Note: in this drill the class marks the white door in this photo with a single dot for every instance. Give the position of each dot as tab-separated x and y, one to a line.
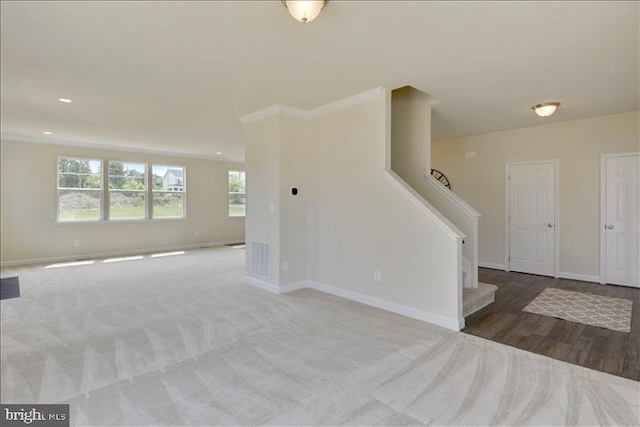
531	217
622	220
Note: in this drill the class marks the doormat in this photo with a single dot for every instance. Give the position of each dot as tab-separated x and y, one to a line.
580	307
9	287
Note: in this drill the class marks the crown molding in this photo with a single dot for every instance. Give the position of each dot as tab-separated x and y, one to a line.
68	143
331	107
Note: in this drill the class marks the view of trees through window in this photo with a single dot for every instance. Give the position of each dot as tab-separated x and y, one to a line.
127	190
237	202
79	189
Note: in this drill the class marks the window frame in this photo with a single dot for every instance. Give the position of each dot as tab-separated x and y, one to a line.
183	192
101	215
229	193
109	190
105	192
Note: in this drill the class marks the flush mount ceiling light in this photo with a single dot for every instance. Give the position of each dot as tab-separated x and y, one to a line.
304	10
65	100
546	109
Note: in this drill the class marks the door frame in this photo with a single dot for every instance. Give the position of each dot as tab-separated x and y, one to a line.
556	213
603	211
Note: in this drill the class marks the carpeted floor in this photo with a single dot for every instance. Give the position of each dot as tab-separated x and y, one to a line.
181	340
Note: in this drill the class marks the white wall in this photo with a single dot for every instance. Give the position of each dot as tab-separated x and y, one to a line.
262	163
351	216
410	134
410	149
577	145
359	222
29	230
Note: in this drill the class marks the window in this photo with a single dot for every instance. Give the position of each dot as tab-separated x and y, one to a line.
236	193
168	191
79	189
127	190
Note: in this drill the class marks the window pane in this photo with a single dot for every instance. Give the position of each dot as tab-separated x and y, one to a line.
237	193
127	190
168	191
79	189
79	205
168	204
127	176
126	204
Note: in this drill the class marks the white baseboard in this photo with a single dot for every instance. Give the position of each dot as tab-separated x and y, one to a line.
275	289
270	287
100	255
582	277
491	265
403	310
293	287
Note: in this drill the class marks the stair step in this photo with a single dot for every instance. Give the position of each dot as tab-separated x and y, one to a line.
478	298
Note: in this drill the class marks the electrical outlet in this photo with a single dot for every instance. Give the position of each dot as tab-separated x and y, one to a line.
376	276
76	243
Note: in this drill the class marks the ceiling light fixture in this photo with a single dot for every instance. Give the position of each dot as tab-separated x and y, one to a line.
304	10
218	152
66	100
546	109
46	132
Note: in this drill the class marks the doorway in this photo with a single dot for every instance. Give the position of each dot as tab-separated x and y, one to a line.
620	219
532	217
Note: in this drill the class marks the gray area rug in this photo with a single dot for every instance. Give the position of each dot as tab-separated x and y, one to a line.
582	307
181	340
9	287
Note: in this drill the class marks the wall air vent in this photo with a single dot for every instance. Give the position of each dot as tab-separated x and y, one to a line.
260	259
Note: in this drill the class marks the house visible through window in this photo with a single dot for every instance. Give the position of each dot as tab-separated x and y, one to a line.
79	189
237	193
168	191
127	190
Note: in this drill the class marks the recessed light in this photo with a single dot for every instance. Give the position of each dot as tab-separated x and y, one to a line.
218	152
46	132
67	100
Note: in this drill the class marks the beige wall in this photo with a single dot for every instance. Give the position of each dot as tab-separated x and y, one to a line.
360	222
28	207
410	134
262	162
348	219
577	145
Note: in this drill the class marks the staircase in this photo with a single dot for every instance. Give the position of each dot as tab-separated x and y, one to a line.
475	299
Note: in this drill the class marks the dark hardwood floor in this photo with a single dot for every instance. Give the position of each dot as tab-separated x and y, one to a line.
617	353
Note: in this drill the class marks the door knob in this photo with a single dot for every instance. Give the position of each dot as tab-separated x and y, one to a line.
610	226
549	225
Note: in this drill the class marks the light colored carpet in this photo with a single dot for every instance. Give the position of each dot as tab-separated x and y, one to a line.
583	307
182	340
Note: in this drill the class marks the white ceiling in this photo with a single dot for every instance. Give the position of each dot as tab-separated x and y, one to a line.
176	76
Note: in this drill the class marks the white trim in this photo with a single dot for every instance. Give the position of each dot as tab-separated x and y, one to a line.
283	289
101	255
269	287
603	212
446	225
331	107
581	277
127	149
350	101
452	197
403	310
556	242
493	266
273	110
